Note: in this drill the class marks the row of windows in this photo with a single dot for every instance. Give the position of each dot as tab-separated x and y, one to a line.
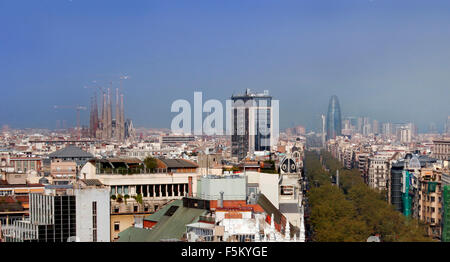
160	190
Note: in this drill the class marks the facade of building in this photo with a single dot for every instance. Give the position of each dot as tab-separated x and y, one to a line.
26	164
64	215
379	173
177	139
93	214
430	201
251	124
136	191
63	172
396	184
441	149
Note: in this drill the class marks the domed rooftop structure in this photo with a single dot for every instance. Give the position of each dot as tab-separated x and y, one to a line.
43	181
414	163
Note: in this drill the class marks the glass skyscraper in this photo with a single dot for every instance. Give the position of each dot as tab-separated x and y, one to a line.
334	124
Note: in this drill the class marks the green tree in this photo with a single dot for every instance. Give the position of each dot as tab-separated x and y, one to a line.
353	211
150	163
138	198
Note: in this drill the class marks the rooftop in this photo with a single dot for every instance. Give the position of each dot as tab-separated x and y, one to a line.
70	152
92	182
170	225
6	185
178	163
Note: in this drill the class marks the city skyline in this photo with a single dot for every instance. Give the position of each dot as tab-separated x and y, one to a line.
225	121
384	60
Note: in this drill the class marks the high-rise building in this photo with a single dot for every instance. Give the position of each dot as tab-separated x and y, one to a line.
323	130
367	126
359	127
334	124
375	127
447	126
405	132
386	129
251	123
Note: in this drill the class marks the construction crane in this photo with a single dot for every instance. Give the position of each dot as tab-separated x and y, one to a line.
123	77
78	109
95	86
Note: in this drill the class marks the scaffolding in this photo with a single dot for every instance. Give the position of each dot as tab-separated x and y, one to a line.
406	197
446	215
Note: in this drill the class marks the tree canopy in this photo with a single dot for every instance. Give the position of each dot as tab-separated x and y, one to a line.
352	212
150	163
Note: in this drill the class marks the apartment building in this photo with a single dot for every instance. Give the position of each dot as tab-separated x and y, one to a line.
136	191
430	200
75	213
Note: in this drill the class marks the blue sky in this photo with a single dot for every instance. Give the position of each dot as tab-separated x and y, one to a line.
386	59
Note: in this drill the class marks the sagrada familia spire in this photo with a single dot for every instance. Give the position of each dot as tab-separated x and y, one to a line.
106	127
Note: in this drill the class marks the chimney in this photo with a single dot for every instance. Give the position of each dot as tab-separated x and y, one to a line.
221	199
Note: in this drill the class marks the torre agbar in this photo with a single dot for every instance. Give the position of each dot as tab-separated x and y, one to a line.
333	118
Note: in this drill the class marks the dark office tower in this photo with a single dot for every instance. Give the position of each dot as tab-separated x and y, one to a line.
334	118
52	218
251	123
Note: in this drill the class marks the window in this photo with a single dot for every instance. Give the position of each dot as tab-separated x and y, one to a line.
116	226
94	221
135	209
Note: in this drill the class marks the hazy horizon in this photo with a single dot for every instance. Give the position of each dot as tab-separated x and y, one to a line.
387	60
